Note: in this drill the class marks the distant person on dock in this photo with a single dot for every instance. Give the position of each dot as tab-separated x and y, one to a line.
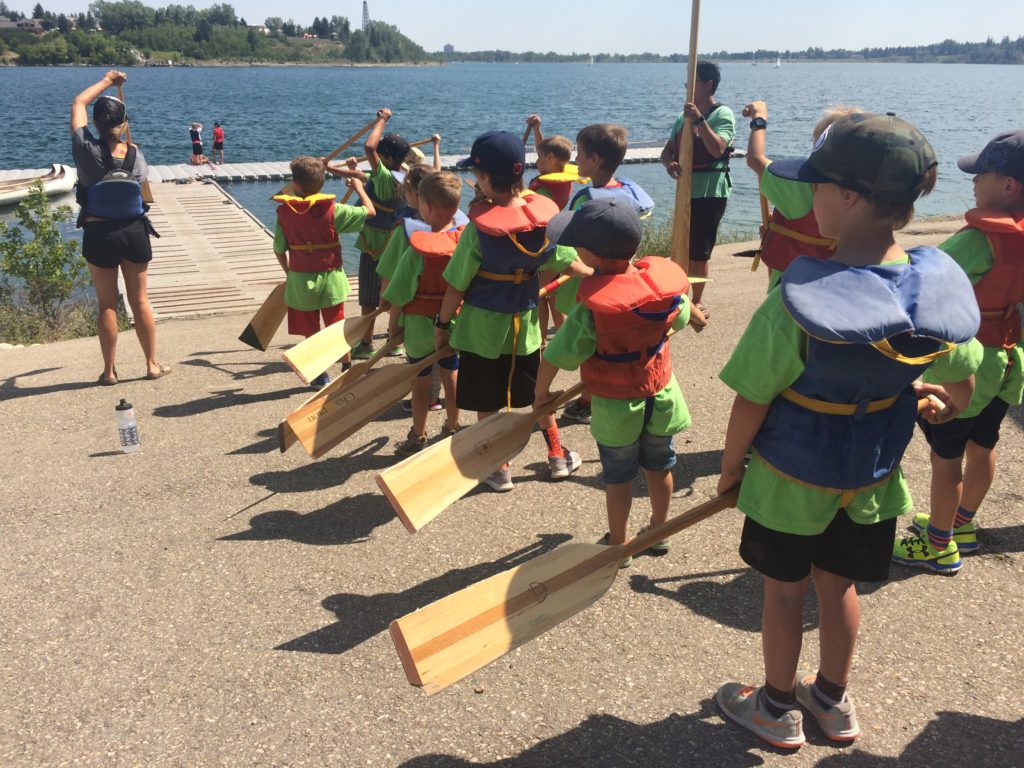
990	249
195	132
308	246
385	155
792	229
218	143
714	127
113	219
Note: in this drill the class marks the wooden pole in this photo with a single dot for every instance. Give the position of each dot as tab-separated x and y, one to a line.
684	184
147	193
764	229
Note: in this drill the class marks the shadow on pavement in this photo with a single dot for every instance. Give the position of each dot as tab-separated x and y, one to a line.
349	521
360	617
9	389
326	473
268	444
250	372
225	398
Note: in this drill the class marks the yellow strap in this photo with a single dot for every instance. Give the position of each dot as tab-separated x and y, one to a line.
846	495
515	278
835	409
512	367
886	349
532	254
799	236
1002	314
311	246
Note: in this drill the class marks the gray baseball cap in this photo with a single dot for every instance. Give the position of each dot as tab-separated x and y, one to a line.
609	228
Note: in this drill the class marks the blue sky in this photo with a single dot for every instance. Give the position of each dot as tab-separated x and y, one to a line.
659	26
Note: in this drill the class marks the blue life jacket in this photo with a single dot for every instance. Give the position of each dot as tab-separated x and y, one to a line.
386	216
115	196
628	191
845	423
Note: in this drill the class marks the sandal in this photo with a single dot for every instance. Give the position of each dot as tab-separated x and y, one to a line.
164	370
104	381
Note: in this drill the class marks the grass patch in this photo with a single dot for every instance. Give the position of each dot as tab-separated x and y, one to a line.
657	239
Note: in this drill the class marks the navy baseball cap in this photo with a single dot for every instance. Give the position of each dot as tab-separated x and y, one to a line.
609	228
498	152
877	155
1004	154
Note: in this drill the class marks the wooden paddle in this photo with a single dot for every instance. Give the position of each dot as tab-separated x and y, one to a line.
147	193
425	484
455	636
288	188
286	436
338	169
764	228
684	154
315	354
264	324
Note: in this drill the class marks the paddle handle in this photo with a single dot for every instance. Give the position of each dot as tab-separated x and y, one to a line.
364	158
355	137
127	128
676	524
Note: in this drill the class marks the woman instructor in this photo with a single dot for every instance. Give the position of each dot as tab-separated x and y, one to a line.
116	230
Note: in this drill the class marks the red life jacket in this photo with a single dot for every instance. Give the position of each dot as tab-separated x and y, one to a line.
559	191
308	226
632	315
786	239
436	248
1002	287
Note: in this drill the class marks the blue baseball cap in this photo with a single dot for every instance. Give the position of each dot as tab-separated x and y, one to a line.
498	152
1004	154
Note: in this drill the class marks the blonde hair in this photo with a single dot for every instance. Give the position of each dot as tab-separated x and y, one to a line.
558	147
416	174
830	115
441	188
307	175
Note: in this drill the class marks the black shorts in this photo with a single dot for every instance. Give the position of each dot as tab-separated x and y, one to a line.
949	440
705	215
106	243
197	149
484	383
218	145
847	549
369	281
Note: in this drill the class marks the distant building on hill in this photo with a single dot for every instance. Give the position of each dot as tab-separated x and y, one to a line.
448	49
366	16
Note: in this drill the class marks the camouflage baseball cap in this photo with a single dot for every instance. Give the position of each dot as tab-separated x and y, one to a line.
877	155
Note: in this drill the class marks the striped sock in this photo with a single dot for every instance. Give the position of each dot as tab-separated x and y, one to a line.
963	517
778	702
553	441
938	538
827	693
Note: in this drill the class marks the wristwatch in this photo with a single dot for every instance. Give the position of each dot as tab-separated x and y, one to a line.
699	120
439	324
758	124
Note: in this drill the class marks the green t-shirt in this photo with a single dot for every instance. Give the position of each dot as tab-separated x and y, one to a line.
372	240
1000	373
617	423
485	332
419	329
792	199
767	360
388	261
712	183
317	290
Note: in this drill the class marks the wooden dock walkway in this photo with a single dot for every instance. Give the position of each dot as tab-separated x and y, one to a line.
212	256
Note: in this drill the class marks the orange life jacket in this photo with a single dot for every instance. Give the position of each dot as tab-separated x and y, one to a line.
1002	287
785	239
436	248
308	226
632	315
559	191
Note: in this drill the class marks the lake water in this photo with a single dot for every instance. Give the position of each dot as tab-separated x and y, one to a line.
275	113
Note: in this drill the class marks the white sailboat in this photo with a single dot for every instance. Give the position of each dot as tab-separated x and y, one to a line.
778	62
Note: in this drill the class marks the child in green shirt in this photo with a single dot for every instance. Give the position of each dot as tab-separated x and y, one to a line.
616	335
823	376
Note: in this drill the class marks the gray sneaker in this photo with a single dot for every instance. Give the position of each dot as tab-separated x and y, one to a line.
413	443
577	411
744	706
839	722
499	480
626	562
659	547
362	351
563	466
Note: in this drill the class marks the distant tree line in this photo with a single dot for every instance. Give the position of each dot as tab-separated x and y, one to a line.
124	32
1006	51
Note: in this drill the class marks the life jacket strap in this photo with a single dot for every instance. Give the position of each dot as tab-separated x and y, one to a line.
837	409
312	246
660	315
1000	313
527	251
887	349
629	357
517	277
800	236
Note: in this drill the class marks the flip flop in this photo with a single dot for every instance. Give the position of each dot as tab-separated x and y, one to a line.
103	381
164	370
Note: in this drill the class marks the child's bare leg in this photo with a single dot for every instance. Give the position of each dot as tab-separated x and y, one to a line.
618	498
420	403
946	489
481	415
449	381
542	316
979	472
659	485
557	318
782	630
838	621
698	269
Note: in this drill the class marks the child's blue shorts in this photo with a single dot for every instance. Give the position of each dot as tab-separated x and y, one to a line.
652	452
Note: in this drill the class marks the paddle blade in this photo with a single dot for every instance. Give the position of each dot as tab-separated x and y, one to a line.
445	641
425	484
315	354
264	324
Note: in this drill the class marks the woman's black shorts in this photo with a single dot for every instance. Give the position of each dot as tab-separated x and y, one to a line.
197	149
106	243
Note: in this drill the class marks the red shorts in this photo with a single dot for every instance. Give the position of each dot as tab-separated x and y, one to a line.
303	322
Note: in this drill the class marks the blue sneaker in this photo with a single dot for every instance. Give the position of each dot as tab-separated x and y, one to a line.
320	381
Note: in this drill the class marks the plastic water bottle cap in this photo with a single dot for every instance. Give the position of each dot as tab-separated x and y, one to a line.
124	405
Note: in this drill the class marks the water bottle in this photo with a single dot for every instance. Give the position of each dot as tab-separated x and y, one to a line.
127	429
